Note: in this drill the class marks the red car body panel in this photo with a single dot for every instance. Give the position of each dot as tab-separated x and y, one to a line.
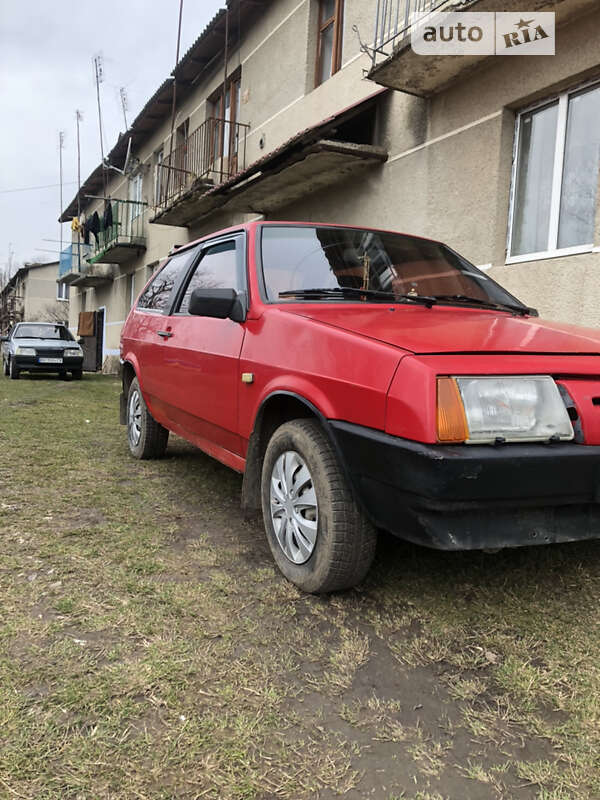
369	364
445	329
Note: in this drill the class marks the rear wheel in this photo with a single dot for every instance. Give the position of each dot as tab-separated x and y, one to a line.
13	370
5	367
319	537
147	438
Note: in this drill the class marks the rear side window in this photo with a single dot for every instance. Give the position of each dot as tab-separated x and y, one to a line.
217	269
157	294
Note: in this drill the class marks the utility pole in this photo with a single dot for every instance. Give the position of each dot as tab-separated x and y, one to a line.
78	119
61	144
174	102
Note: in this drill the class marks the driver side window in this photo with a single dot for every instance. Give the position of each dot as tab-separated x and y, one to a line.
217	269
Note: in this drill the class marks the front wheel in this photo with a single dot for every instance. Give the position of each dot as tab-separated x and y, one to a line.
77	374
319	537
13	370
147	438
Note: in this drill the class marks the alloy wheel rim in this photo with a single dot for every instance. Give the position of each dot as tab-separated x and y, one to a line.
294	507
134	418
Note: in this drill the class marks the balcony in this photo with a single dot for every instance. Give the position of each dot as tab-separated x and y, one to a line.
210	155
395	65
123	239
77	271
312	160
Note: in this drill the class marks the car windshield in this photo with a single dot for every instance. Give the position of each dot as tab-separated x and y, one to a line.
339	263
43	332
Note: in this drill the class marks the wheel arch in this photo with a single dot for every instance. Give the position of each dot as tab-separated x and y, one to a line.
276	409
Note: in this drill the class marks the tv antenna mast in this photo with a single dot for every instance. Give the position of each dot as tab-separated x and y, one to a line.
99	75
124	104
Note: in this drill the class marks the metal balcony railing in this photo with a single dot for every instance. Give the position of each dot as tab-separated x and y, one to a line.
126	228
213	152
393	21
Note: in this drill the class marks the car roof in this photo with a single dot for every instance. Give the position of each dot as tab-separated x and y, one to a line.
246	226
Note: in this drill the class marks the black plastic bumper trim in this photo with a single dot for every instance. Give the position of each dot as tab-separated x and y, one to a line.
443	495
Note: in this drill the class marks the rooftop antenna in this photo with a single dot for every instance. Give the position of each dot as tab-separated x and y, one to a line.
99	73
123	94
126	164
61	145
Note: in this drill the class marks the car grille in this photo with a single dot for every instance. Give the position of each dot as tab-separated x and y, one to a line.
49	353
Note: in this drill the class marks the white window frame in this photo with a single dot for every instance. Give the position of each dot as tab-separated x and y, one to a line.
65	289
136	188
557	178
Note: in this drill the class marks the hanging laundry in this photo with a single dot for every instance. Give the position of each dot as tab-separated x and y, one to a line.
75	226
94	226
85	230
107	219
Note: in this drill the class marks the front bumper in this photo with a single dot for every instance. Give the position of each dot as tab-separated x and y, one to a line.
463	497
32	364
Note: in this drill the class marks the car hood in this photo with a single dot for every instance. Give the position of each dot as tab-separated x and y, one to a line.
445	329
44	344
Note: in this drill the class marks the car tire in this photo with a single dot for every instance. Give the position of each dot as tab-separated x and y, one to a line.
13	371
5	368
320	538
147	438
77	374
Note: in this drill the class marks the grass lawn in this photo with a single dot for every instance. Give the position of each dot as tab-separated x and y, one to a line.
149	649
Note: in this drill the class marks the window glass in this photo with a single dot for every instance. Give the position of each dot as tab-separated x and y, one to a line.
58	332
303	257
533	197
580	172
158	293
326	52
217	269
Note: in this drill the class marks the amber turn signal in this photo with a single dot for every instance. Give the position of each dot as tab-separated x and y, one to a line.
451	420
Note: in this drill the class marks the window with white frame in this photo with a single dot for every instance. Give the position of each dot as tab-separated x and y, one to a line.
135	195
555	179
62	291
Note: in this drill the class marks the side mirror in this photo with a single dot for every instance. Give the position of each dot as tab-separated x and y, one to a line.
80	341
219	303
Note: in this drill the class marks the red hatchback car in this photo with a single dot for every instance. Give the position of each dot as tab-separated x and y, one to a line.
362	379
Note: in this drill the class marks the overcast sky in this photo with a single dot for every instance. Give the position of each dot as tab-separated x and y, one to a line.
46	73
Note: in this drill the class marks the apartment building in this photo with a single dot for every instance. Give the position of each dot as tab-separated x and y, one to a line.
34	294
281	113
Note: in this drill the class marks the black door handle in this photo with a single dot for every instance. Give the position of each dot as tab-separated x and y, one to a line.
165	334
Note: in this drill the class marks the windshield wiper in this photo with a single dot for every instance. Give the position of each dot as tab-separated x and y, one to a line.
353	291
463	298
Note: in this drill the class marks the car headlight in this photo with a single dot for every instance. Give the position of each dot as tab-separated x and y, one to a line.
476	410
73	351
25	351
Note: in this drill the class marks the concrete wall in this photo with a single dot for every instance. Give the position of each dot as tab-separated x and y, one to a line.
450	157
